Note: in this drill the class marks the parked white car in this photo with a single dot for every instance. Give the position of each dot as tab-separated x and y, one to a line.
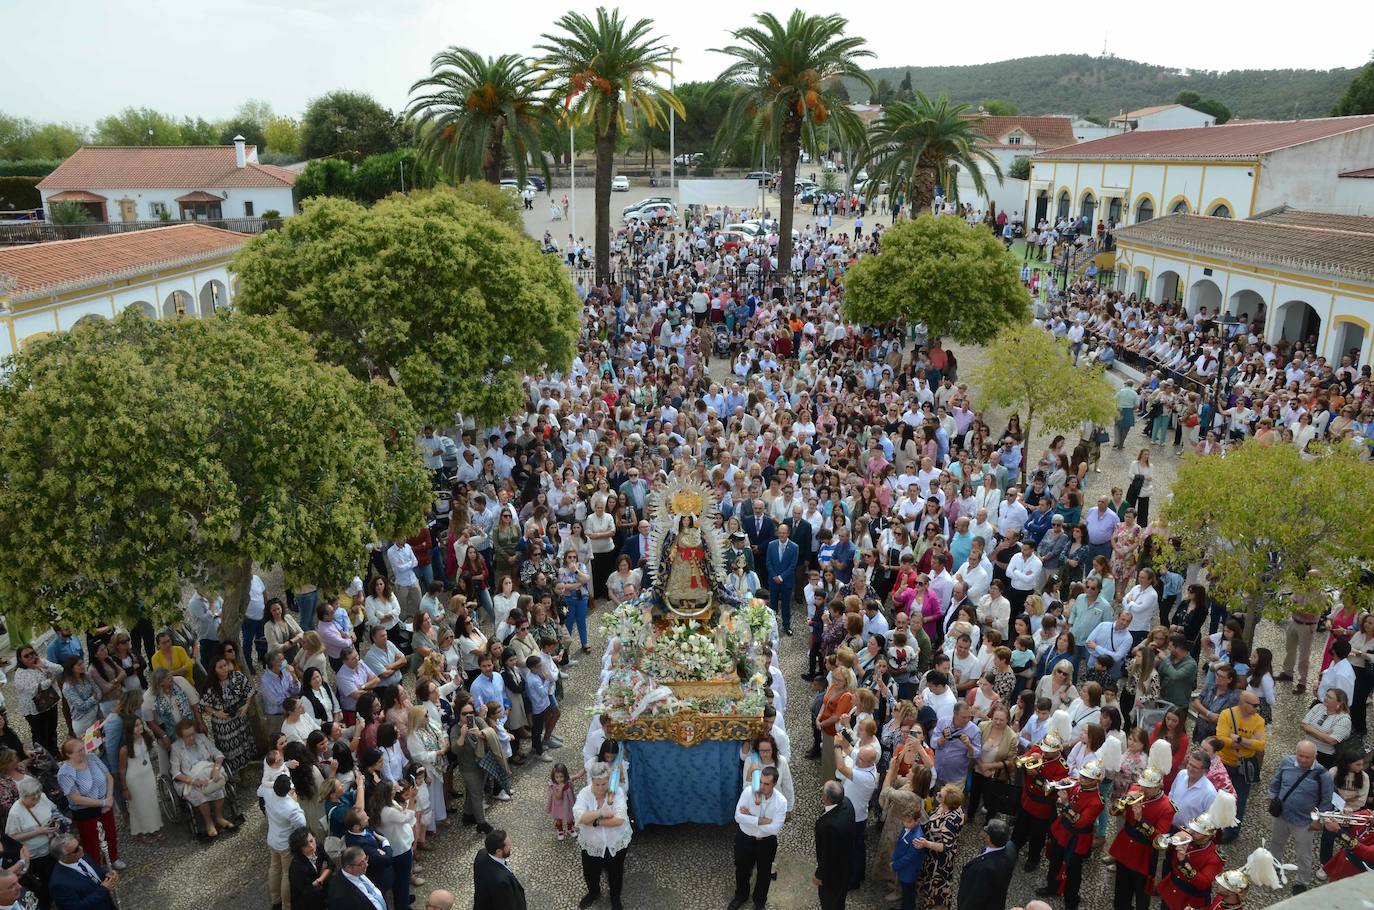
647	200
652	212
620	184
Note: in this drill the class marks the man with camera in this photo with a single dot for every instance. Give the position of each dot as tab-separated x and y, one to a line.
957	743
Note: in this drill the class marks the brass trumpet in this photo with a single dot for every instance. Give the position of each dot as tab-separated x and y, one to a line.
1133	798
1030	762
1343	819
1177	839
1067	783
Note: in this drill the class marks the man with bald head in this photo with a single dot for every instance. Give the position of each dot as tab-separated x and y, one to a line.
439	899
859	779
1303	787
760	530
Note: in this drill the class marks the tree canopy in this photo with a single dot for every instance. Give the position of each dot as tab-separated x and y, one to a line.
1358	97
430	290
138	126
959	281
143	455
21	138
1264	518
1032	372
350	125
998	108
1190	98
282	135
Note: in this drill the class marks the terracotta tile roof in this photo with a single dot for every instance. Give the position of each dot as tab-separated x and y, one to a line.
1045	132
198	196
1326	221
1246	140
43	269
77	196
1300	242
1363	172
175	167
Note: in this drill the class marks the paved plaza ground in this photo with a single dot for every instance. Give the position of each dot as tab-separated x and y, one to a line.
686	867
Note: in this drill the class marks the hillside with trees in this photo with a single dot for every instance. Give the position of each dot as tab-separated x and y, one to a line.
1100	87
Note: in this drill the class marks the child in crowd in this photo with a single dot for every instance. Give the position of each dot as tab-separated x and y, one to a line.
561	798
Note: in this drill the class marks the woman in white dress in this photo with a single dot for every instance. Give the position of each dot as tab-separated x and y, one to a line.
138	780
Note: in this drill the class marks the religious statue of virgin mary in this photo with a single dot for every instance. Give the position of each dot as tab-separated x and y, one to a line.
686	556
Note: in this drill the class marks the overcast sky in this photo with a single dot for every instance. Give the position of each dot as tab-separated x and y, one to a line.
76	60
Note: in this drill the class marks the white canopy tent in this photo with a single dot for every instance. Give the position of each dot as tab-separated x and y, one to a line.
718	192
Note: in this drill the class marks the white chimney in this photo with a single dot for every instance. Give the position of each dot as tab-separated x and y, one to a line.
240	152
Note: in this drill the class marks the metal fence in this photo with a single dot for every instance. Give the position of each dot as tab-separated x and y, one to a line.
41	231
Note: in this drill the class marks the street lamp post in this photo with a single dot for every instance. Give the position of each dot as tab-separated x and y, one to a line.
672	124
572	180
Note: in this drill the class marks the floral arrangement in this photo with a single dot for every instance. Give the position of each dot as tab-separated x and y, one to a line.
629	693
758	619
687	651
626	621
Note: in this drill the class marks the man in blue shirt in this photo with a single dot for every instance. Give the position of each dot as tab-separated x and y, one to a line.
957	744
384	658
488	686
64	645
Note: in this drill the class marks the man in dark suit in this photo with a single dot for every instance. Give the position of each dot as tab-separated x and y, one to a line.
351	889
984	882
761	531
834	844
802	534
781	565
494	886
636	546
77	883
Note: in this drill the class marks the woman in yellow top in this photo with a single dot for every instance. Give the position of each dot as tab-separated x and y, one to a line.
171	657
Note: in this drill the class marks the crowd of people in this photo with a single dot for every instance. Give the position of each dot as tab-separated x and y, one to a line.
989	629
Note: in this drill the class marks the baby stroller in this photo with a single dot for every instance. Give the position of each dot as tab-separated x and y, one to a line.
723	343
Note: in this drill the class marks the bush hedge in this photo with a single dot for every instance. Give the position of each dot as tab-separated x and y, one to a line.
18	193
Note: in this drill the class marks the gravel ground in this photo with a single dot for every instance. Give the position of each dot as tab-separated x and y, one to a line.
685	867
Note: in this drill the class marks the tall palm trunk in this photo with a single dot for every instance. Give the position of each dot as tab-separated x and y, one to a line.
491	160
605	163
923	195
790	150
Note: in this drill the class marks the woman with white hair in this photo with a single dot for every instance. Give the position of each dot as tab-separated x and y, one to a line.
35	823
603	832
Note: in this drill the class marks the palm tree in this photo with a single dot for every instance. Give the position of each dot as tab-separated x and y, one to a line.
599	67
783	86
473	110
915	143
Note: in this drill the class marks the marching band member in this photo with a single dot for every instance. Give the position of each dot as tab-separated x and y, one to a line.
1072	835
1037	797
1194	864
1260	869
1355	853
1148	813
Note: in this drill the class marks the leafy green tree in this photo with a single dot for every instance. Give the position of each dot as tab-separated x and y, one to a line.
477	114
324	177
138	126
349	125
191	481
255	110
1274	528
1190	98
1359	94
998	108
68	213
1020	168
1032	372
378	176
496	201
282	135
598	67
904	90
22	139
912	147
251	132
429	290
883	93
199	131
778	84
961	283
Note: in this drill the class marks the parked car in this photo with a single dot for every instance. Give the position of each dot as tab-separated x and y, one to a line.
761	177
536	182
620	184
689	157
732	240
750	229
647	200
511	185
652	212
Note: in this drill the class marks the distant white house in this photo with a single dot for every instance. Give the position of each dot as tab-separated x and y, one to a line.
1162	117
126	184
1084	130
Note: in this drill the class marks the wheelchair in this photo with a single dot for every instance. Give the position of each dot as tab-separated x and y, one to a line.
194	823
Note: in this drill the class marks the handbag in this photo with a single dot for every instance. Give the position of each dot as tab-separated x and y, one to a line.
1133	491
45	699
1101	437
1276	804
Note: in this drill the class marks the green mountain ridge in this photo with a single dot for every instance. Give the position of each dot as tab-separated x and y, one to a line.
1104	86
